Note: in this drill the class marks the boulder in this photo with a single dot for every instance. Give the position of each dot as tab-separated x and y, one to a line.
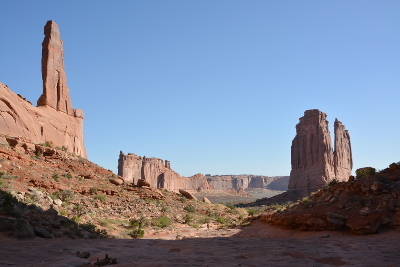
362	225
116	181
187	194
206	200
143	183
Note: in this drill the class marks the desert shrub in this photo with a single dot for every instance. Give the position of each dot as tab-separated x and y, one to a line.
163	221
58	148
6	176
93	190
231	206
38	154
165	209
138	223
88	227
190	208
56	177
68	175
66	195
102	233
46	144
189	218
54	195
333	182
2	182
221	220
137	233
102	198
64	148
79	209
252	212
183	199
204	219
363	172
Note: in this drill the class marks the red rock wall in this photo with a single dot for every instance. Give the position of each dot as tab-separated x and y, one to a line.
40	124
158	174
343	161
54	119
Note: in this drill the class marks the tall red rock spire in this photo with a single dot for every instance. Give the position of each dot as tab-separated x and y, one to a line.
55	89
314	163
342	156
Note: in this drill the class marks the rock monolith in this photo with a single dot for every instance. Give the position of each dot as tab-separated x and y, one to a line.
314	163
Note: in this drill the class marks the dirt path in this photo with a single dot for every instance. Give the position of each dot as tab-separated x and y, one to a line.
256	245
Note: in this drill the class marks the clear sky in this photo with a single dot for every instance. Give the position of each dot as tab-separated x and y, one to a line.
216	86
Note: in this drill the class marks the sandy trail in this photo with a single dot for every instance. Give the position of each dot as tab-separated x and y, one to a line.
256	245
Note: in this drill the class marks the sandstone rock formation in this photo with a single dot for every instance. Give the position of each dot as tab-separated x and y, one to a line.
55	89
240	182
314	163
158	174
343	161
54	119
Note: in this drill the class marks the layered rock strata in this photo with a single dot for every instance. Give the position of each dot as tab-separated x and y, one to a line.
54	120
240	182
158	174
314	163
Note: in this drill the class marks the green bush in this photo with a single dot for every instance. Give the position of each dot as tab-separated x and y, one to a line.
221	220
252	212
68	175
163	221
56	177
188	218
93	190
102	198
190	208
138	223
165	209
363	172
66	195
64	148
137	233
333	182
47	144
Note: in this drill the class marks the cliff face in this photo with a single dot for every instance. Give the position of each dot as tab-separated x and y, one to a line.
238	182
54	119
157	173
314	163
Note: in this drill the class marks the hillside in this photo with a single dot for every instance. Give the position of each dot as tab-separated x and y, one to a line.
52	193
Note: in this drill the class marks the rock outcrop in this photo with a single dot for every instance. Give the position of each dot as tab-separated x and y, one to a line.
53	120
55	89
314	163
158	174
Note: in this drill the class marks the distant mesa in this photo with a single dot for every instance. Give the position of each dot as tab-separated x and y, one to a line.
158	174
54	119
314	163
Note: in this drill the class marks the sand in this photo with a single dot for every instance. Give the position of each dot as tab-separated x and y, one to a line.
257	245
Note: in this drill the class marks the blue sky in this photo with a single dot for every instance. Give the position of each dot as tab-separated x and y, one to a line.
216	86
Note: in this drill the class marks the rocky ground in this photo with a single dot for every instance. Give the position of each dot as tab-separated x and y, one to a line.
54	203
364	204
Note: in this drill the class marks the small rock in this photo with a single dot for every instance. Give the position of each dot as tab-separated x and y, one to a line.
206	200
42	232
325	235
57	202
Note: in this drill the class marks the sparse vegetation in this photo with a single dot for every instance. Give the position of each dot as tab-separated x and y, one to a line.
162	221
333	182
102	198
364	172
190	208
56	177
